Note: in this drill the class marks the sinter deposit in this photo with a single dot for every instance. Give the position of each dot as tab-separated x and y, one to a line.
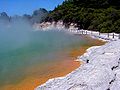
100	71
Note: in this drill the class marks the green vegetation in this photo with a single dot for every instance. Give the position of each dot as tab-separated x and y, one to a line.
98	15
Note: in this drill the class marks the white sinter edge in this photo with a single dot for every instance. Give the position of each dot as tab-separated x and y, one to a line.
100	71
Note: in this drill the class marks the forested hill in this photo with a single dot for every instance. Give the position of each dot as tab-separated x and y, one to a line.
100	15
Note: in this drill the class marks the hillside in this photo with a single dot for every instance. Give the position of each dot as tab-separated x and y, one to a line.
98	15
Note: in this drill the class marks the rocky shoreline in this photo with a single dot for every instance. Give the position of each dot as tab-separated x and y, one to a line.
54	25
46	26
100	71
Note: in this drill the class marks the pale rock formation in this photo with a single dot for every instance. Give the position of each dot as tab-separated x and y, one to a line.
100	71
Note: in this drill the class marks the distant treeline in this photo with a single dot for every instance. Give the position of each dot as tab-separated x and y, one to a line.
38	16
98	15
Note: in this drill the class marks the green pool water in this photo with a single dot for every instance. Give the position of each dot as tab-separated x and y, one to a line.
21	49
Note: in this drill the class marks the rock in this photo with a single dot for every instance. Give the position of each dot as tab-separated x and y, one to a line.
101	71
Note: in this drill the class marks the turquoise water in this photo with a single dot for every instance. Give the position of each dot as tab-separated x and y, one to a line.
21	49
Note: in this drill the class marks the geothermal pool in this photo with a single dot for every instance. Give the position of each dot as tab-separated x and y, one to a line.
29	58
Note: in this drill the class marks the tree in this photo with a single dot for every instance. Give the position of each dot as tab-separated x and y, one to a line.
98	15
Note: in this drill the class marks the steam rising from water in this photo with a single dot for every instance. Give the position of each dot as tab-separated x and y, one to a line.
14	35
21	47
